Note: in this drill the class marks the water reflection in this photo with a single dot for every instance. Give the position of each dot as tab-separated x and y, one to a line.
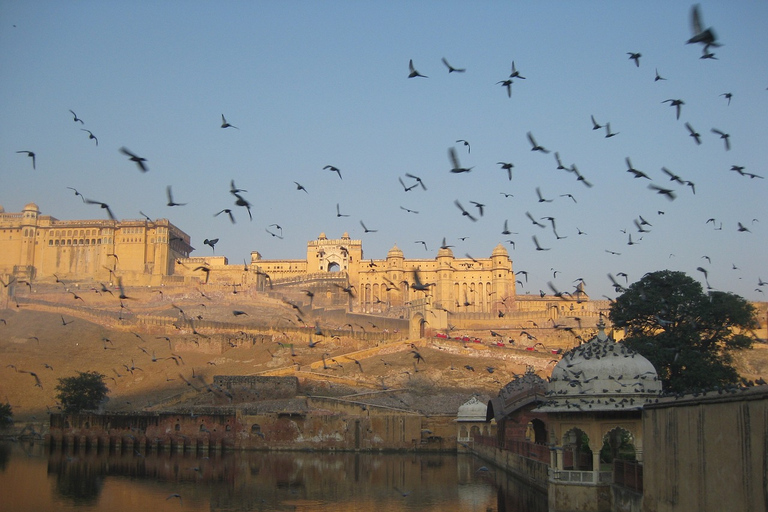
245	481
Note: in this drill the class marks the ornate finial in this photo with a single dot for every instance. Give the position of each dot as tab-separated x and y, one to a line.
601	330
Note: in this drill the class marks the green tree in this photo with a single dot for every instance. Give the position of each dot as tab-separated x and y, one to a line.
82	392
688	335
6	415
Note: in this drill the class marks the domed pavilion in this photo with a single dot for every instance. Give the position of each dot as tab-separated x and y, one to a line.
594	408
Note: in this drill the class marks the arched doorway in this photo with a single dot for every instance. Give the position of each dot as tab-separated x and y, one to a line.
417	326
618	444
334	267
536	432
577	454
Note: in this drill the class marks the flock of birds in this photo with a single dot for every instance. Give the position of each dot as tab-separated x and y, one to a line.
702	35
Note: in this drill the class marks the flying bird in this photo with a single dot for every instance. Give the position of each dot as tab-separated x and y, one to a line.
724	136
135	158
608	132
479	206
413	73
508	85
457	168
595	124
675	103
515	73
635	57
669	194
30	154
406	188
91	136
366	230
635	172
338	212
225	124
560	166
507	166
658	76
241	201
77	193
469	149
333	169
701	35
672	176
541	198
535	222
171	202
418	180
75	118
299	186
233	189
728	96
419	285
693	133
451	69
464	212
539	247
211	243
104	206
228	212
534	145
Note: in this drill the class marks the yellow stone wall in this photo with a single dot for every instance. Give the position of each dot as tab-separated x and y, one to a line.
43	247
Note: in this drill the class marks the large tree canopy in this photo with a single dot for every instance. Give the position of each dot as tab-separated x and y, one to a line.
688	335
85	391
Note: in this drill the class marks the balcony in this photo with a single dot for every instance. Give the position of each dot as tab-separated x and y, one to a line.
580	477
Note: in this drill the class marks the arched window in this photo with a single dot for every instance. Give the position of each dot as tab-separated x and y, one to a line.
618	444
334	267
577	454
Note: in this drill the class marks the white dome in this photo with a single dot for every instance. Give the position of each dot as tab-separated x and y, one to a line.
601	375
472	410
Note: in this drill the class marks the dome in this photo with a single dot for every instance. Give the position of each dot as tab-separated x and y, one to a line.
500	250
472	410
31	206
395	252
601	375
444	252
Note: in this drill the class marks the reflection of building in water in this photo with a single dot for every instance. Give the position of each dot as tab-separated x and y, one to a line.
35	246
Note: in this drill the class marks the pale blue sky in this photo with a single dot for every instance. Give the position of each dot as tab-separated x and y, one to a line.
311	84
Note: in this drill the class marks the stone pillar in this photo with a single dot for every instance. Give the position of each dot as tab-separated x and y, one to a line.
596	465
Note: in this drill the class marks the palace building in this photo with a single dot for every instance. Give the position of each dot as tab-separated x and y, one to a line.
454	285
35	246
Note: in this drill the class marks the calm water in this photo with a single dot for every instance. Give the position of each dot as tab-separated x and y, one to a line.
33	480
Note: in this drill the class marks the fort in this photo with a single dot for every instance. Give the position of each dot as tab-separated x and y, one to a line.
475	293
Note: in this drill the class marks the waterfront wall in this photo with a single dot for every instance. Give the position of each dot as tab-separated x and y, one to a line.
531	471
708	452
291	424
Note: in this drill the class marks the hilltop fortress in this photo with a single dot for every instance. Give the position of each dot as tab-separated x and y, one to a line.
437	293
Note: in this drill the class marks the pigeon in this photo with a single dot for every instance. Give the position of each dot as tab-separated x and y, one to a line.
413	73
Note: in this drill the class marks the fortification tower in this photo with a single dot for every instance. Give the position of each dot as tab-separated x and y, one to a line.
502	281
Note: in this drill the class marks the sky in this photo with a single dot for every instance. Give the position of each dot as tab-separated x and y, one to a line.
313	84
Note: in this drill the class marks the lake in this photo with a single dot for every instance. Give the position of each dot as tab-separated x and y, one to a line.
32	479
